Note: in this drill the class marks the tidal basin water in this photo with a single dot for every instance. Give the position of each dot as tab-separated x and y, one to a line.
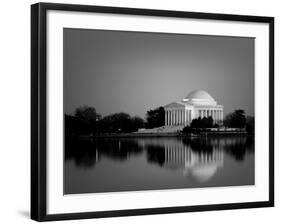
154	163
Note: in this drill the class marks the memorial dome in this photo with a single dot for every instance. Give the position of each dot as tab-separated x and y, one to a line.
199	97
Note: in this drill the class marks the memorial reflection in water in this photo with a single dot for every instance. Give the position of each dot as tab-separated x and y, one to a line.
158	163
201	165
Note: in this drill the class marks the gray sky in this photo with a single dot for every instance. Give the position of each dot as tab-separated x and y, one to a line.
132	72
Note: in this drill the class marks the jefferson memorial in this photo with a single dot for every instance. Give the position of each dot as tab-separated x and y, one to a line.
197	103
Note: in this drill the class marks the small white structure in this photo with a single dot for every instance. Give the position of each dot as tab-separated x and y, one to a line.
196	104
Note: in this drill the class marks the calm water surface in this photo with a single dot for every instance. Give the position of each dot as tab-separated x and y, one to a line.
130	164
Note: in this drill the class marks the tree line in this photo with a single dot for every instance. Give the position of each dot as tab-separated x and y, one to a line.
236	119
86	120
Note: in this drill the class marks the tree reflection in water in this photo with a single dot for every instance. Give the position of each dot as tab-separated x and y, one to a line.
86	153
199	158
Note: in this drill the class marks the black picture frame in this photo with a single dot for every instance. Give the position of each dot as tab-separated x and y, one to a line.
38	110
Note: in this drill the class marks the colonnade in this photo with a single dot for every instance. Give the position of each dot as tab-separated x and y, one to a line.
177	117
216	114
181	116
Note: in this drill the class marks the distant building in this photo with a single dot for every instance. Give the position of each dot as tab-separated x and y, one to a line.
196	104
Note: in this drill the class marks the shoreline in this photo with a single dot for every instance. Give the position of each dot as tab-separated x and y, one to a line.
159	135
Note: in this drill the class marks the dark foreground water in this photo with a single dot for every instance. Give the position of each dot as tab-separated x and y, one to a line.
130	164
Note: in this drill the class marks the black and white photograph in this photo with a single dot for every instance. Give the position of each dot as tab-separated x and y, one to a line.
157	111
140	111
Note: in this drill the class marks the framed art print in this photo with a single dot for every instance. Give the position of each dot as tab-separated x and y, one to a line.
141	111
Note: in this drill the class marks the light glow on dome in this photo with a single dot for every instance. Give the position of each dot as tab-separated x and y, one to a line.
199	97
199	94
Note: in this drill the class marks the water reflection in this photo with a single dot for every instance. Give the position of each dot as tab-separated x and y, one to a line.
201	162
86	153
199	158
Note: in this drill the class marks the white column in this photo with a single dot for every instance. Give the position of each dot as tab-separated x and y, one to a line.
180	117
172	117
169	117
166	116
185	117
182	121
